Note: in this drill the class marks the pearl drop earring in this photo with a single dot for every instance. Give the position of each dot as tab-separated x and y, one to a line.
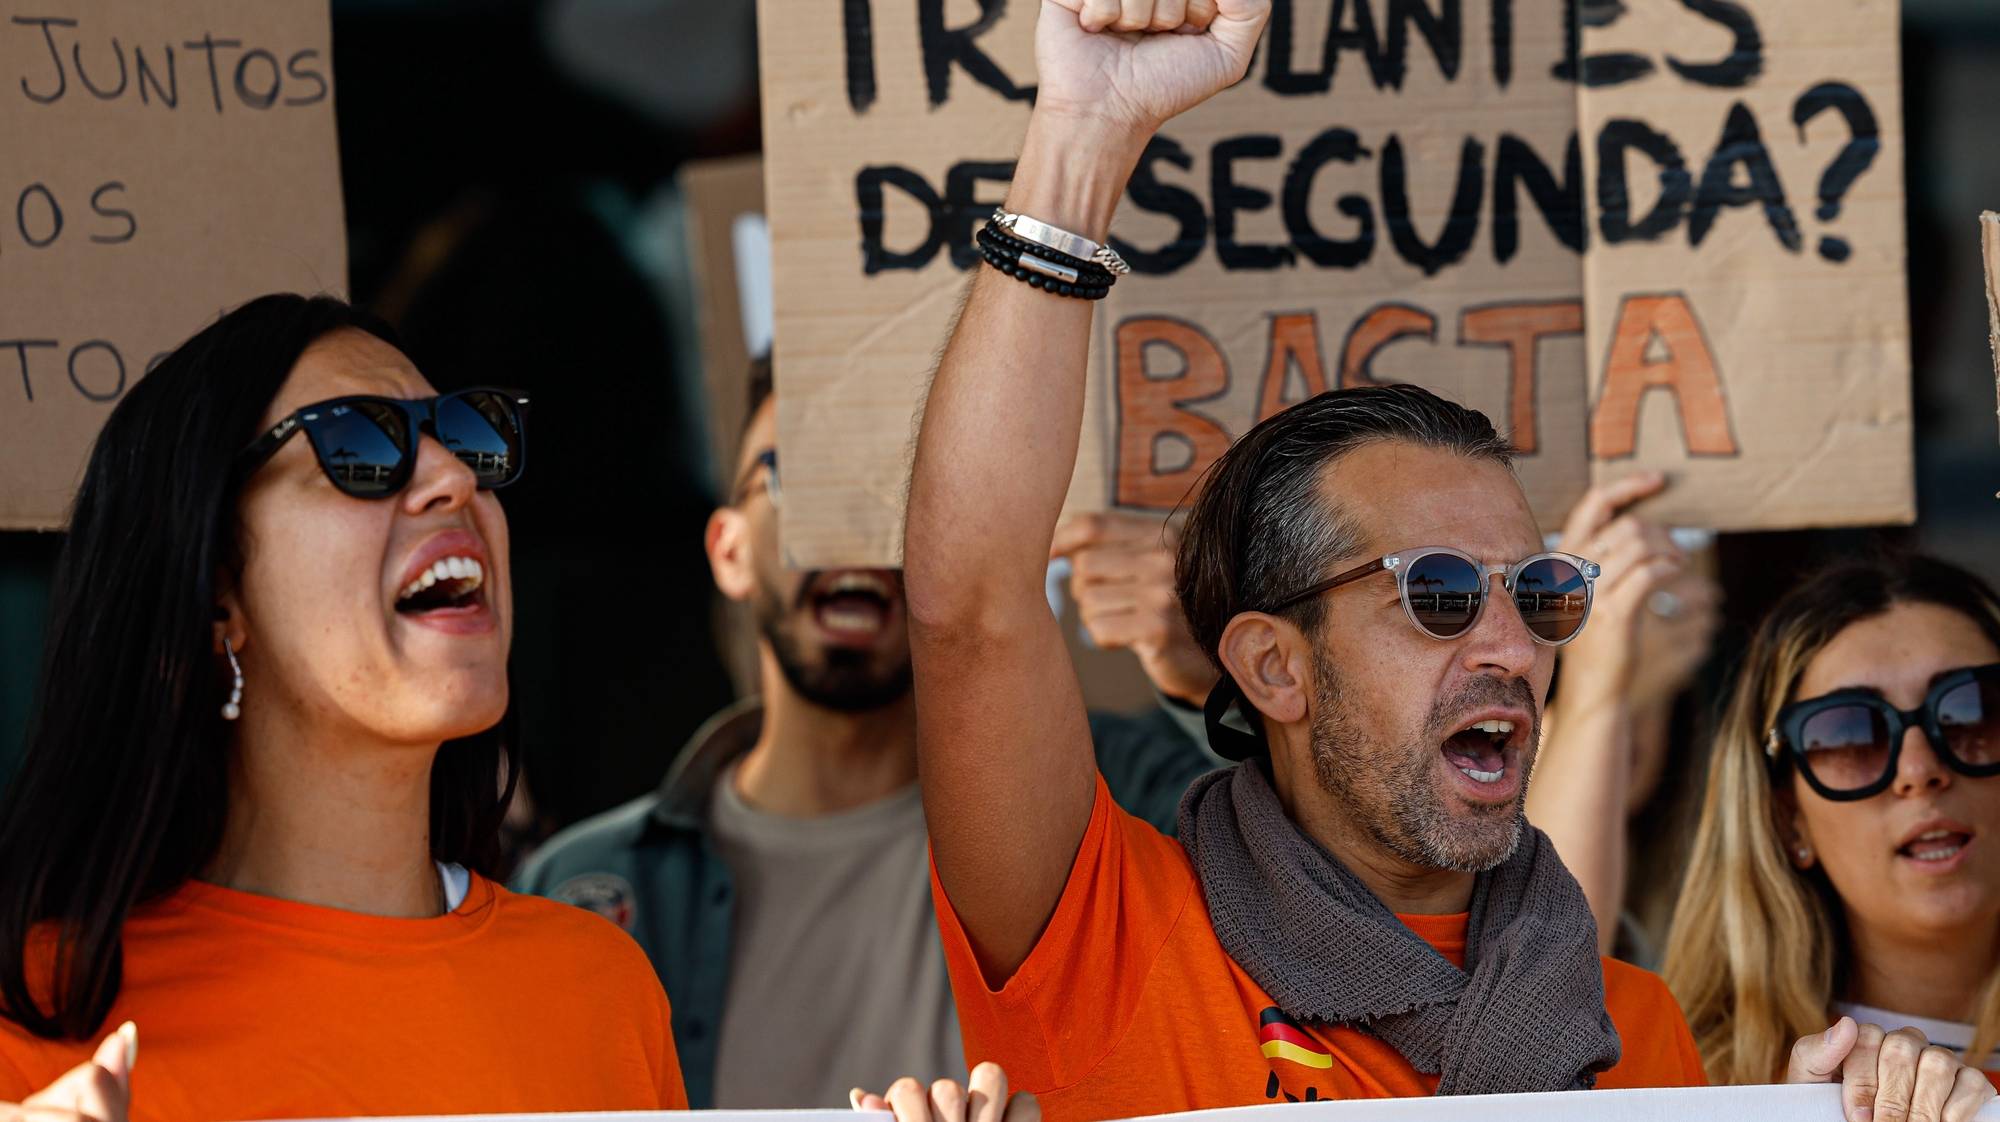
233	708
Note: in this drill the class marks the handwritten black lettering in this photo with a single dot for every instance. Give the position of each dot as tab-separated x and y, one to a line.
857	25
1745	59
1461	222
82	75
295	70
868	184
208	44
1515	165
1148	193
118	363
46	23
250	96
1614	201
1741	145
942	46
1502	14
21	357
169	94
1855	157
963	207
1333	145
97	204
1597	71
1229	197
55	215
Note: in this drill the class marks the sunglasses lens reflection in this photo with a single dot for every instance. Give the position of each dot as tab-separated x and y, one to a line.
361	445
483	429
1969	716
1846	746
1444	593
1552	597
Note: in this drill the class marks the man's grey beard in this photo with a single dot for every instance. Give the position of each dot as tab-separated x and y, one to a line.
1391	792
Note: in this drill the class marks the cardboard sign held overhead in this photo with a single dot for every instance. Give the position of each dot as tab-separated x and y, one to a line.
166	162
1989	250
729	255
1669	239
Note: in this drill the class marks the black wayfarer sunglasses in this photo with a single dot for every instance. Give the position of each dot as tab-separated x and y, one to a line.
367	445
1846	743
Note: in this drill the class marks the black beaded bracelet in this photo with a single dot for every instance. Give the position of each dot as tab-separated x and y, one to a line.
1007	259
1090	272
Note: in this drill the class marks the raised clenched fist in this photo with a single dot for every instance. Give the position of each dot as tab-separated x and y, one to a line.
1134	64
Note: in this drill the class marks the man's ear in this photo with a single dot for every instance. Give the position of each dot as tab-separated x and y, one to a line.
1267	657
727	541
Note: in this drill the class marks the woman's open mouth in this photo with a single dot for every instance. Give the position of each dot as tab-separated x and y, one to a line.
450	584
1937	848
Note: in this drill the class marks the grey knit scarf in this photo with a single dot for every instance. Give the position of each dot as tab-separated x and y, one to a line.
1529	1015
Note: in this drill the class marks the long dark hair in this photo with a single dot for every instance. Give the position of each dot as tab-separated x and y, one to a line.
123	792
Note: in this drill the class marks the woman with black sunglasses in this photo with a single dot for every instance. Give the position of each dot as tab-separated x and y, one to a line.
1847	861
269	759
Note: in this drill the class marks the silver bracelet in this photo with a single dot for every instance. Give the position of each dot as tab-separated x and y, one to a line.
1060	240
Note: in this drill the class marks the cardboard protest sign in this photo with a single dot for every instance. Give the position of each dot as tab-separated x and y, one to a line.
1637	236
729	258
729	255
729	251
165	162
1989	250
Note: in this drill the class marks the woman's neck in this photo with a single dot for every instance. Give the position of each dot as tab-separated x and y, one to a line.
328	819
1932	976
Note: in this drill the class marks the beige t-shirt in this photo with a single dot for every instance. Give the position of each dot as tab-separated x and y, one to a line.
836	975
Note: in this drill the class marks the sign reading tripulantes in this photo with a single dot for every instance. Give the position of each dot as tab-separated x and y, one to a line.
165	162
1654	235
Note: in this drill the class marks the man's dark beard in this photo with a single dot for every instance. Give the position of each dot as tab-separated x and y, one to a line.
1391	791
845	681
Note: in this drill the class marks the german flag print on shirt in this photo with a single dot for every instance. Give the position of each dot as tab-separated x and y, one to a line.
1283	1039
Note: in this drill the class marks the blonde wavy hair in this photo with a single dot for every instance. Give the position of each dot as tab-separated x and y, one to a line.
1757	946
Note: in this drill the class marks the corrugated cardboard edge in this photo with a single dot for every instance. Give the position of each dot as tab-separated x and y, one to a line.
1989	247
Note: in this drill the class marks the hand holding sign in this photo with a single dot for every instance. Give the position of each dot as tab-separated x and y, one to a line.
1123	584
1893	1075
98	1090
982	1098
1138	81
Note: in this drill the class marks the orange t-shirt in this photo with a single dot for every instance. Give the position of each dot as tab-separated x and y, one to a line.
253	1007
1130	1006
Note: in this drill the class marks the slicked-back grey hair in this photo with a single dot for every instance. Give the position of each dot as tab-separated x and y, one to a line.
1261	529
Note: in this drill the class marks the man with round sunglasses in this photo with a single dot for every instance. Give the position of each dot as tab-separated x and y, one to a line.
1357	909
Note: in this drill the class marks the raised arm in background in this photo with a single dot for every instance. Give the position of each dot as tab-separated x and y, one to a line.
1590	761
1005	750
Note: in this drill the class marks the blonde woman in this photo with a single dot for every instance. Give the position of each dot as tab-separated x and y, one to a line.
1847	861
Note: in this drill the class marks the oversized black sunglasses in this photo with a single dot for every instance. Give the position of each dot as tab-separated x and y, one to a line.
1846	743
368	445
1444	590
